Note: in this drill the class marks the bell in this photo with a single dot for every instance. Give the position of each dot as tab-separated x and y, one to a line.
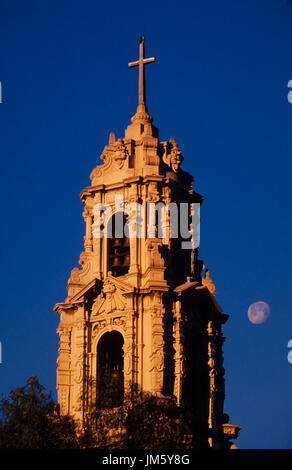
127	260
116	261
115	374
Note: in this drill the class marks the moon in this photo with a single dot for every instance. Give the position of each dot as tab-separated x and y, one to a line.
258	312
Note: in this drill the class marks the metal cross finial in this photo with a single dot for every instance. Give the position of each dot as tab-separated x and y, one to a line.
140	63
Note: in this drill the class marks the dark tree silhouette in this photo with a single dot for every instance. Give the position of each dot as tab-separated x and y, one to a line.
142	421
30	419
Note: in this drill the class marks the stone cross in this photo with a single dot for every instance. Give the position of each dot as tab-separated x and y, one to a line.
140	63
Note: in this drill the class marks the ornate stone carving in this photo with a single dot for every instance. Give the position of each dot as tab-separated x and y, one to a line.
132	194
175	158
109	300
166	341
113	156
78	372
63	399
172	156
120	154
179	357
157	354
207	282
216	371
157	366
98	326
118	322
63	332
231	430
152	193
128	359
84	262
78	277
75	276
154	256
98	171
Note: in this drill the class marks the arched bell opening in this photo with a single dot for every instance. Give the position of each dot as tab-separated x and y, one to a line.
110	370
118	245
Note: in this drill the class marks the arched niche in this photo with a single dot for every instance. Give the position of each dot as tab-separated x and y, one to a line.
110	370
118	259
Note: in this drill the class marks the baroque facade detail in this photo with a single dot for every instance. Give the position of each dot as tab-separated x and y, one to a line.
143	306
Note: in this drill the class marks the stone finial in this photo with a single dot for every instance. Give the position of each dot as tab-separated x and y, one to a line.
208	282
175	157
112	138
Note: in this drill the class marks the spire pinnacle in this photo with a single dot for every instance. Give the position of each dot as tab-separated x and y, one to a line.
140	63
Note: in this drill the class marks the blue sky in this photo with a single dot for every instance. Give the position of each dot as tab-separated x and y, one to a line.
219	87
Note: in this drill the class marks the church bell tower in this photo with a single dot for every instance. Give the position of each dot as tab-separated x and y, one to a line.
142	305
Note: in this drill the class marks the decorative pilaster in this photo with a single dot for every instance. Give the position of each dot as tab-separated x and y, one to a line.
130	367
97	233
157	347
63	369
216	373
134	227
87	215
179	359
78	367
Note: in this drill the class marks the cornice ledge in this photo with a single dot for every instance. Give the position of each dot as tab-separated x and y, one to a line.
63	306
231	430
91	189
